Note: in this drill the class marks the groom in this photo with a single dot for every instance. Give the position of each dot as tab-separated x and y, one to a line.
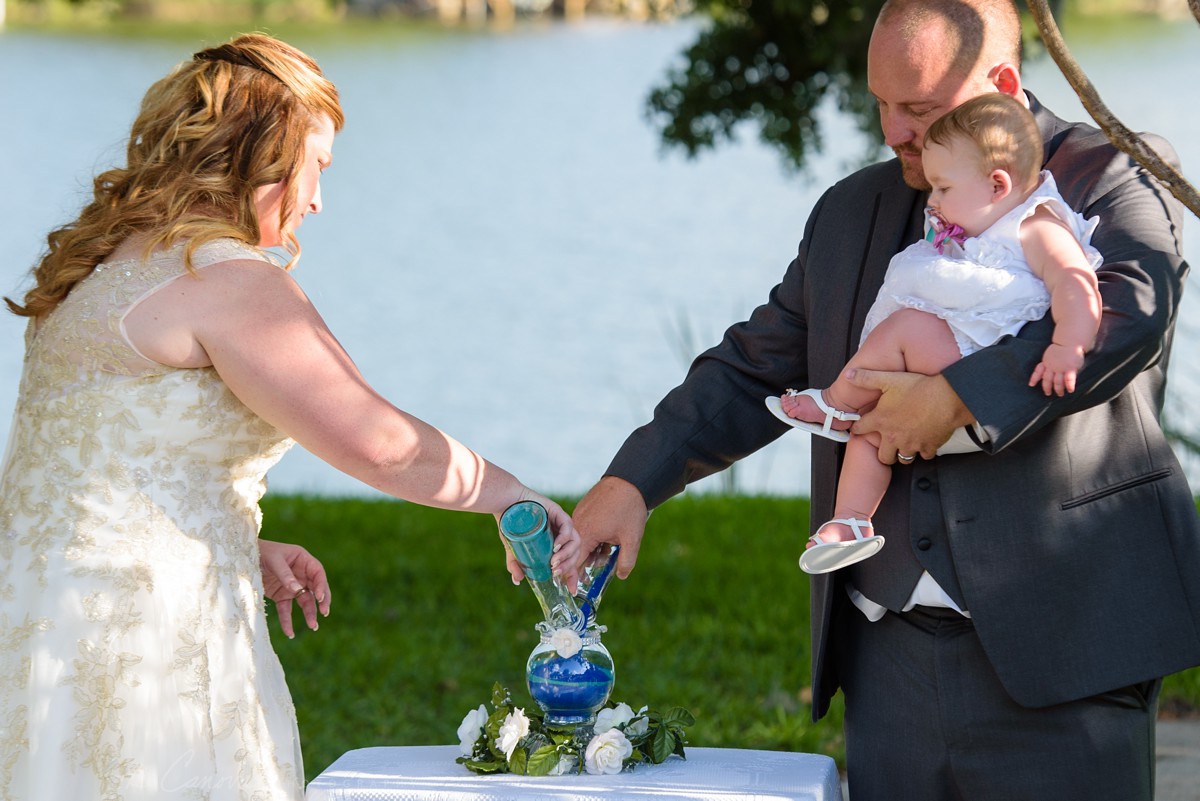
1009	640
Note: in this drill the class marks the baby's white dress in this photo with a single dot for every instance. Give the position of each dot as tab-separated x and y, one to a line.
135	662
983	289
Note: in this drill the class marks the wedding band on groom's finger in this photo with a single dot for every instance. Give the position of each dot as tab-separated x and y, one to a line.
905	459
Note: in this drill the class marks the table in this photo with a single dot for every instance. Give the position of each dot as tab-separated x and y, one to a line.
429	773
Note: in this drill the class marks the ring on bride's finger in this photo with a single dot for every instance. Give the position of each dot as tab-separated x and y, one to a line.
904	458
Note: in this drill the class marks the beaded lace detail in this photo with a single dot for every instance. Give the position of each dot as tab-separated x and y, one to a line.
130	590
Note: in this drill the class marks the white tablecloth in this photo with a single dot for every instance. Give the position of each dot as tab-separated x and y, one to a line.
429	773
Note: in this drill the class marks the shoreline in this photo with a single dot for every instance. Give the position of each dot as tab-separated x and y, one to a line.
162	15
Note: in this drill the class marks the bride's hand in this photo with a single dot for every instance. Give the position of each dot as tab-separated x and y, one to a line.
291	573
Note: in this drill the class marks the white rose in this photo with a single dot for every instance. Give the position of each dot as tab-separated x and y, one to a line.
566	641
610	718
567	763
514	727
470	729
640	725
607	752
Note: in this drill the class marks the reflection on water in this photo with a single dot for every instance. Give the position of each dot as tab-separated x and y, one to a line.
504	249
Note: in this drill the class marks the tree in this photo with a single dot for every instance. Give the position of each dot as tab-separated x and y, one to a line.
771	62
1118	133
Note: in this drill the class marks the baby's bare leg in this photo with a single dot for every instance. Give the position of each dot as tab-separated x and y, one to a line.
907	341
864	480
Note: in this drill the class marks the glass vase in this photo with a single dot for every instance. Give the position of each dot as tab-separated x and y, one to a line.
570	689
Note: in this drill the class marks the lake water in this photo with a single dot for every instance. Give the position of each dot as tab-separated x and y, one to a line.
505	249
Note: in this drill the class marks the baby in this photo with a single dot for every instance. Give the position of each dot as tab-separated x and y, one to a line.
1002	248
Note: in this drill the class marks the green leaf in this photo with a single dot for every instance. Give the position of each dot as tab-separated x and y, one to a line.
482	766
519	761
491	732
500	696
661	746
679	747
560	737
637	740
678	716
543	760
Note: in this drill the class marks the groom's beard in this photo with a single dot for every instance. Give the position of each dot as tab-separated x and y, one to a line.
914	171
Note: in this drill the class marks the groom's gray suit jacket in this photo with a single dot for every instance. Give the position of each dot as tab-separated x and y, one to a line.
1073	538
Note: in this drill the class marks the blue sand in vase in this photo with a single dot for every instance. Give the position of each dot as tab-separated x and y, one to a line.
571	689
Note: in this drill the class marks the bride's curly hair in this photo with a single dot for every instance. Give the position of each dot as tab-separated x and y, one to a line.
232	119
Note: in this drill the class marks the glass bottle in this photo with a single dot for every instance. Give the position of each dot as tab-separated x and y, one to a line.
526	527
596	574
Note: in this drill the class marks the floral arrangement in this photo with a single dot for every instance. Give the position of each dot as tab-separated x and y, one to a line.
511	740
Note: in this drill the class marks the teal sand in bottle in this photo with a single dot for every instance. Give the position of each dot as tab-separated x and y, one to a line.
526	527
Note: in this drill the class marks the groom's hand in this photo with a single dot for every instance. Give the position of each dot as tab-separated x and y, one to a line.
613	512
915	414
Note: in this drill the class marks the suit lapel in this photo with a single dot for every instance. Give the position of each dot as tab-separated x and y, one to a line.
898	224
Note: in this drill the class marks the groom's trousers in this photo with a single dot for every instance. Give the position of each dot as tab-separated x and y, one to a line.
927	720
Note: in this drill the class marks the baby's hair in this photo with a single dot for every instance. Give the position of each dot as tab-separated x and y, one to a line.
1004	131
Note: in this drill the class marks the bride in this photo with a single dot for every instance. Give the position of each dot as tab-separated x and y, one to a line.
169	364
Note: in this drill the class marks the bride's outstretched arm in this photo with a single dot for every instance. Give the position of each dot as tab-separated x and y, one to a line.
253	323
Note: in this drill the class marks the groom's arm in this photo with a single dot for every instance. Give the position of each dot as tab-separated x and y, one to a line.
717	415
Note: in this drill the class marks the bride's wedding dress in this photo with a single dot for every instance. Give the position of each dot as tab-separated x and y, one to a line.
134	656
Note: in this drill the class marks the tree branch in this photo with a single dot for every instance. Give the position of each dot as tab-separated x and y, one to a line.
1121	137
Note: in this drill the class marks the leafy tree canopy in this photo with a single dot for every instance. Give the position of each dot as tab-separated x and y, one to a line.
771	62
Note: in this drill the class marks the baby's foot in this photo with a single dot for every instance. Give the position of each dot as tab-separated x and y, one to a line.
802	406
839	543
833	531
841	529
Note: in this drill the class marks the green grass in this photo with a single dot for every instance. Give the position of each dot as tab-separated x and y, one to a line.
425	619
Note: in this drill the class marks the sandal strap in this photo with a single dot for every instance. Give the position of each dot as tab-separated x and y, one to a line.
831	412
854	523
